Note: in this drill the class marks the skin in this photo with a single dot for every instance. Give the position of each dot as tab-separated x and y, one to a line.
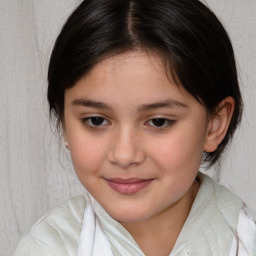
127	143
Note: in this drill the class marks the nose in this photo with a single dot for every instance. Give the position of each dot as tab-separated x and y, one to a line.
126	149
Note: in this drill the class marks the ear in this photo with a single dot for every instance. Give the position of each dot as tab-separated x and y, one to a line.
66	143
218	124
64	135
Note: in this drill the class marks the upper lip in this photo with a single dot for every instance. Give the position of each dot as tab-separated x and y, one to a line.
126	181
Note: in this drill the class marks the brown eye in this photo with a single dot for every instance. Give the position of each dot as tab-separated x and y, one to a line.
95	121
158	121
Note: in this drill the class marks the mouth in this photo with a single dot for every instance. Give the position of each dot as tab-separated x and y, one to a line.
128	186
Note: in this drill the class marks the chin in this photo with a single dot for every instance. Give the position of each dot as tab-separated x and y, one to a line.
128	215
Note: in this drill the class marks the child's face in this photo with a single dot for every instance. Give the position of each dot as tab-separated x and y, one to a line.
136	140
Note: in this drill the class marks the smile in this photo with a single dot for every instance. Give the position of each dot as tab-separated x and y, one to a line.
128	186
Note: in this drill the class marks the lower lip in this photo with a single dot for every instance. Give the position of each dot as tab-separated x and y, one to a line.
128	188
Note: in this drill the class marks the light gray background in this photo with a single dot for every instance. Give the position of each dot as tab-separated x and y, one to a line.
36	174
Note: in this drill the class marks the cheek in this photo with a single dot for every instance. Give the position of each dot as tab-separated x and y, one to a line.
87	155
180	152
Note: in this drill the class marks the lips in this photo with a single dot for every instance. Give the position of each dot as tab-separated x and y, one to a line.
128	186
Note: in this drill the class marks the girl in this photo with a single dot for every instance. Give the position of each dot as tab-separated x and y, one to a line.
144	92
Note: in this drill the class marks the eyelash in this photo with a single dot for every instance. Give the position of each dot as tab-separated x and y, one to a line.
88	123
167	123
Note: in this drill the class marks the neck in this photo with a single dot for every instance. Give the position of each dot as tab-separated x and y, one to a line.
164	226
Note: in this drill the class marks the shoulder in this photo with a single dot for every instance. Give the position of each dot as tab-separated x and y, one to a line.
56	233
222	199
235	218
211	225
245	240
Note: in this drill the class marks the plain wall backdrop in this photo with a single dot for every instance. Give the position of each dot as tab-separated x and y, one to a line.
36	173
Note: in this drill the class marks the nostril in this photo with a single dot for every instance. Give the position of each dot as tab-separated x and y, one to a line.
127	157
126	151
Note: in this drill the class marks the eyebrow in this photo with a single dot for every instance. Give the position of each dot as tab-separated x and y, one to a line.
90	103
143	108
162	104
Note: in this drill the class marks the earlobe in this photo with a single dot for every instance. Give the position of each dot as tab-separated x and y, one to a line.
65	140
65	137
218	124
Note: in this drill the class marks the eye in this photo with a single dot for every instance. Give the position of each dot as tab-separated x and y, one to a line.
160	122
95	121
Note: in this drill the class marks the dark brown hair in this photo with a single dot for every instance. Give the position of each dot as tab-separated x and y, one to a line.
195	46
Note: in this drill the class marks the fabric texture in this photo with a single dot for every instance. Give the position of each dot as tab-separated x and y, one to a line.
218	224
56	233
246	243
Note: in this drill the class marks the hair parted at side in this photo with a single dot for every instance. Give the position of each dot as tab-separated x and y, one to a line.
184	33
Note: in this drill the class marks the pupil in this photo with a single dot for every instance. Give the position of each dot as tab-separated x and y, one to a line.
97	120
158	121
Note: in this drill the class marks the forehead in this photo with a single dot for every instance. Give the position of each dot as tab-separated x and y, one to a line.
135	64
133	77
